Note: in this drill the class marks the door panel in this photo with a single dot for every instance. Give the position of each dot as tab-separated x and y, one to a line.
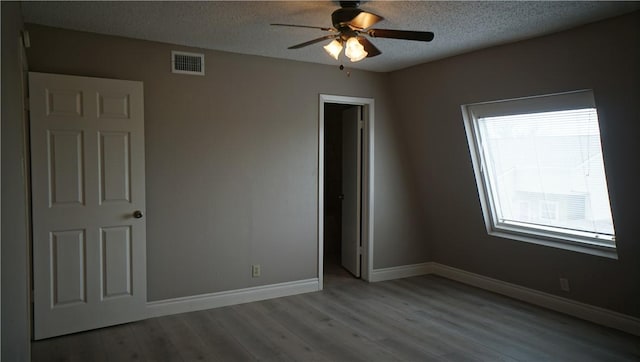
68	262
66	174
113	106
115	182
351	165
116	261
64	102
87	166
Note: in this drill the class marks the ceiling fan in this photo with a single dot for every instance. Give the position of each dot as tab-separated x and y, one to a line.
350	26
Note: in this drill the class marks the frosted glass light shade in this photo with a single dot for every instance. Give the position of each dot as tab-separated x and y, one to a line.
334	48
354	50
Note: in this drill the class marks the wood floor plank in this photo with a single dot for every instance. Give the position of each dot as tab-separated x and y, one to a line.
120	344
78	347
424	318
370	324
153	342
222	345
343	331
53	349
498	330
188	343
307	326
260	347
289	343
439	338
464	321
558	334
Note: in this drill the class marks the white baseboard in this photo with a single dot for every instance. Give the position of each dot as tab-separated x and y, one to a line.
231	297
398	272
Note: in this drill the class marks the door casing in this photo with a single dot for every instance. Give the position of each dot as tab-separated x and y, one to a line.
368	105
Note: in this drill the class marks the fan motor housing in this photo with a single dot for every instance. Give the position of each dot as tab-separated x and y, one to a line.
349	4
341	17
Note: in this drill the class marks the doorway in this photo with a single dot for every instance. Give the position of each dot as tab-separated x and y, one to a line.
345	187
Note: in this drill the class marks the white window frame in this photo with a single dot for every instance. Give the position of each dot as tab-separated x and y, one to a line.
575	241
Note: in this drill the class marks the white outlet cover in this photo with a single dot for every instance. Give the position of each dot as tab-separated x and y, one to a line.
255	270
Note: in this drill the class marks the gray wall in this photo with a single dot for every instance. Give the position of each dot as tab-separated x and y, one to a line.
15	306
603	56
232	159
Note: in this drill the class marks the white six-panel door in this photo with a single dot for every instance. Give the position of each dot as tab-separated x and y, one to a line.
88	197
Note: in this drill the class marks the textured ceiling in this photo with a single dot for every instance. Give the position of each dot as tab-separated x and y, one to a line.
243	26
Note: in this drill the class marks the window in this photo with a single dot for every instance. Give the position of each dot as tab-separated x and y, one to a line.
548	210
540	172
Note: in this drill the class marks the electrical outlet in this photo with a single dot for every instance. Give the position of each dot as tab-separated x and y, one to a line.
255	270
564	284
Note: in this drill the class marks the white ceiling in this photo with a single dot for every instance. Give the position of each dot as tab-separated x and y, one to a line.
243	26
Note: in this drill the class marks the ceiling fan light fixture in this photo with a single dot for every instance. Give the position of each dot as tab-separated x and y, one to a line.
351	31
354	50
334	48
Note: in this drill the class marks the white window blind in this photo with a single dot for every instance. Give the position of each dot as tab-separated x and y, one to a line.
552	160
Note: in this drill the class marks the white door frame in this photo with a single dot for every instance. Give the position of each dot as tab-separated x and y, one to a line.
367	181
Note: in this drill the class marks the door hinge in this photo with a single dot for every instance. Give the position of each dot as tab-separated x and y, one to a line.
360	250
26	39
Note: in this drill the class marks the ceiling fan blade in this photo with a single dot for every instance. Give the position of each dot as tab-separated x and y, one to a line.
365	20
401	34
317	40
306	26
369	47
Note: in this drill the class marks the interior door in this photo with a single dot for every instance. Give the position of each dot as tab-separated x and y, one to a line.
88	197
351	190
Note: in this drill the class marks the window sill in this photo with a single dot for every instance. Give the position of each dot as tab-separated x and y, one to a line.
601	251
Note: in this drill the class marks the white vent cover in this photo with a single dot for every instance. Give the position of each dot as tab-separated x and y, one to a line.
187	63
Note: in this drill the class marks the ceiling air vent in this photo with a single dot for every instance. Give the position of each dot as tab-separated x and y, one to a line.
187	63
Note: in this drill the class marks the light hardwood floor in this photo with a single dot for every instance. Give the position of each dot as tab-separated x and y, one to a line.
423	318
